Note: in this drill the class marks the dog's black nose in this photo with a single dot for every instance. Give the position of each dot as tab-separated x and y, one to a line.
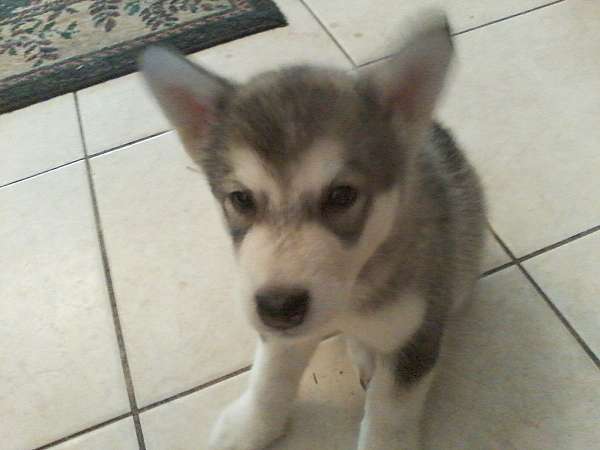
282	308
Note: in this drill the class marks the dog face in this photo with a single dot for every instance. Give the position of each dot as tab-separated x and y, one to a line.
311	167
305	205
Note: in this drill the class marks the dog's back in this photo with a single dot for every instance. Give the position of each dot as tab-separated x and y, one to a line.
457	194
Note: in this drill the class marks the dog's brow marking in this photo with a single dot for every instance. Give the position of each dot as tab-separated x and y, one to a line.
318	167
251	171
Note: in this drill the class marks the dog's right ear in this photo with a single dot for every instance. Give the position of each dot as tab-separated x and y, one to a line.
410	82
189	95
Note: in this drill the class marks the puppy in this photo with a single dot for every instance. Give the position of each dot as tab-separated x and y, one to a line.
350	210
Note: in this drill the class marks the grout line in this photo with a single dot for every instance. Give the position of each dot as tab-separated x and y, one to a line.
194	389
208	384
541	251
145	408
111	292
100	153
42	172
502	19
503	266
477	27
558	244
586	348
549	302
497	269
127	144
376	60
84	431
335	41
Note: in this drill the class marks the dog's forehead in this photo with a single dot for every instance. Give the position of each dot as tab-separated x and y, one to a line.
299	127
286	128
280	114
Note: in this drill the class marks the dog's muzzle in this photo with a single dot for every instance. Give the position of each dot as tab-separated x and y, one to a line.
282	308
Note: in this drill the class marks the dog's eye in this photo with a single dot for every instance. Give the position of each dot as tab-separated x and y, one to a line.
242	201
341	197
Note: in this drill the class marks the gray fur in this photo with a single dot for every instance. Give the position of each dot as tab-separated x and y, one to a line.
449	256
435	250
390	144
435	247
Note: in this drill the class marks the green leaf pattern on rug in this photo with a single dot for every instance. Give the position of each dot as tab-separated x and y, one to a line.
163	13
31	37
34	37
104	13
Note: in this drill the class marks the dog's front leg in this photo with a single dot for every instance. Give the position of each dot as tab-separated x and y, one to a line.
261	414
393	408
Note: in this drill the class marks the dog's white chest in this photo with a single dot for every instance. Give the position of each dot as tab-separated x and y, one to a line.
390	326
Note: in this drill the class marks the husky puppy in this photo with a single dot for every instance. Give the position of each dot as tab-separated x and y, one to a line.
350	210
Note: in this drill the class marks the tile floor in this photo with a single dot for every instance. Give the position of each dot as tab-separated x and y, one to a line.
115	325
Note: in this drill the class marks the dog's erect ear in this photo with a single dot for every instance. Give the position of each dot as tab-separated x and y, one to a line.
189	95
412	80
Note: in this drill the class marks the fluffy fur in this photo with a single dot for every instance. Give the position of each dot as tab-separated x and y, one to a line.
385	269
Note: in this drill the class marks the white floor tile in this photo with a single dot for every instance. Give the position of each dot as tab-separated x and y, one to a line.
121	110
327	415
117	112
60	370
38	138
569	276
117	436
172	268
185	423
523	107
371	30
511	377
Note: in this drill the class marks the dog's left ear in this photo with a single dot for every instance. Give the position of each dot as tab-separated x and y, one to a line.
410	83
189	95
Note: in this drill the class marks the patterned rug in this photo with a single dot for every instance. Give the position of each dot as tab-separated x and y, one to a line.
51	47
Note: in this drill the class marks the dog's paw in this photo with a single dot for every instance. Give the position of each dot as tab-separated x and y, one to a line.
244	426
